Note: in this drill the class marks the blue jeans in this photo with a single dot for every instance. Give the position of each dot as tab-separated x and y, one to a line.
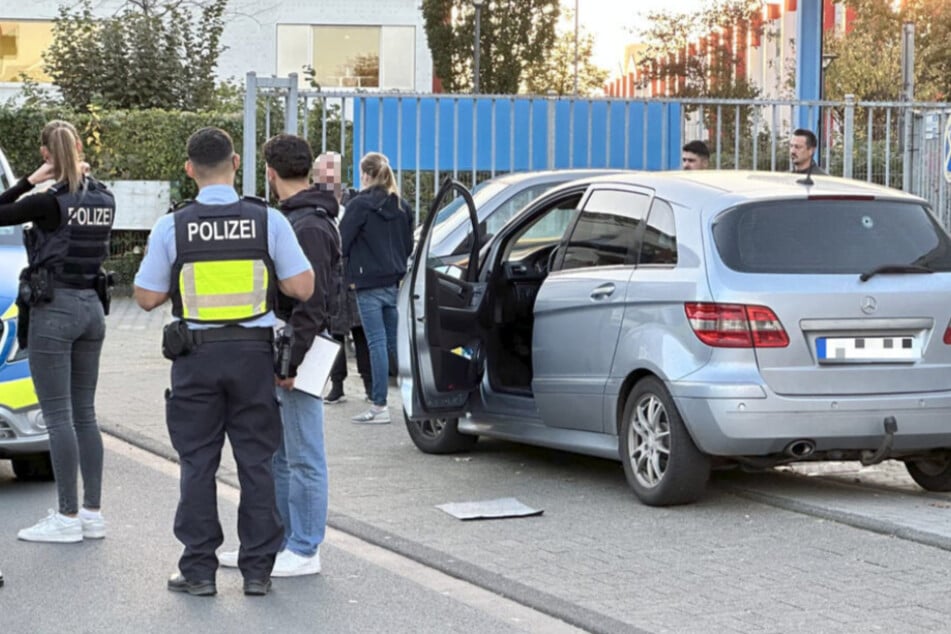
379	317
65	342
300	472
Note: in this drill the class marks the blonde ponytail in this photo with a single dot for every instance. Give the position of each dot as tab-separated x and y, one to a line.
62	142
377	168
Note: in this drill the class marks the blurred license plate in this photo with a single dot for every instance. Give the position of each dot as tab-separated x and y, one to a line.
868	349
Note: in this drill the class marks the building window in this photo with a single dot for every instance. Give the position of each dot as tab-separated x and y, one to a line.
21	50
349	56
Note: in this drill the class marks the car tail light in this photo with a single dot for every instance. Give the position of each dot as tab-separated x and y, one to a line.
736	325
947	334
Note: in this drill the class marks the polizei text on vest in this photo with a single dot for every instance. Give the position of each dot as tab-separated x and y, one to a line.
90	215
215	230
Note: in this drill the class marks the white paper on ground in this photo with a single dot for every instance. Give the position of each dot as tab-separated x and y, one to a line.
489	509
314	370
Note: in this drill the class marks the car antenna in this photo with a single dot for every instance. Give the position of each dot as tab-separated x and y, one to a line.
807	181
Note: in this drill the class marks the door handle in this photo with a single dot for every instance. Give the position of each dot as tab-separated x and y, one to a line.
603	291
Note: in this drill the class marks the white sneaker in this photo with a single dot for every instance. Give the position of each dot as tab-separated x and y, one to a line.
373	416
228	558
94	524
54	528
290	564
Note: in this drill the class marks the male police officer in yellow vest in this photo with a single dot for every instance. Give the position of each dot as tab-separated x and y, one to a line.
219	259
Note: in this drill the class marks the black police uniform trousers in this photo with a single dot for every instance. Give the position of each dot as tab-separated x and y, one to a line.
225	387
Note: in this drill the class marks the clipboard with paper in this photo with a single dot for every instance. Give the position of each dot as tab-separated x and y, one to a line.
314	369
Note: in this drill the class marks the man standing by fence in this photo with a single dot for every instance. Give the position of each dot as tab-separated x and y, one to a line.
802	148
695	156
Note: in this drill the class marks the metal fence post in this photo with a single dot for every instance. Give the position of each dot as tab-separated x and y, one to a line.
908	143
907	95
249	153
290	105
550	103
848	141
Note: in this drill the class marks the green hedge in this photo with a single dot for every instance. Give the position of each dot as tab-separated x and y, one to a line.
119	145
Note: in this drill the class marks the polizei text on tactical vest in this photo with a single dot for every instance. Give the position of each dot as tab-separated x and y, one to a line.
214	230
90	215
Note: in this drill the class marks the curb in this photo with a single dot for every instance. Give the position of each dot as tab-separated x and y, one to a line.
855	520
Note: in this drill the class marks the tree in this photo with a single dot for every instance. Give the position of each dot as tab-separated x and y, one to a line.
153	54
514	35
556	72
868	62
667	55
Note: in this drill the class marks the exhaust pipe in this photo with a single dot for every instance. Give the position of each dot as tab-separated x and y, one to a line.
802	448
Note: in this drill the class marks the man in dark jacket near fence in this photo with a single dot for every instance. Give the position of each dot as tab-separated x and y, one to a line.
300	464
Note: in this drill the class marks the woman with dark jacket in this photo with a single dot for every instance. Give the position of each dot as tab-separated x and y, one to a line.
376	235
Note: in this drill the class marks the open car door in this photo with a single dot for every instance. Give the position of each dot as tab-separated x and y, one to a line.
440	316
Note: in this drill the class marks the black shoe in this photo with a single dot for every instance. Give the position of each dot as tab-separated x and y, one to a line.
178	583
336	394
257	587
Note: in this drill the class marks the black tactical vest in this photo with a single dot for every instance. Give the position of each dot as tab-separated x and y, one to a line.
235	232
74	252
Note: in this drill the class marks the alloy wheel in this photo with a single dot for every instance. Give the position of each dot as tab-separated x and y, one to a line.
432	427
649	440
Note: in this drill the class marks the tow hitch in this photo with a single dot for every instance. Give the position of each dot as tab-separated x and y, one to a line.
880	454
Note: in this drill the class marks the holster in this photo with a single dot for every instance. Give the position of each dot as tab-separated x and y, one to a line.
23	323
177	340
105	280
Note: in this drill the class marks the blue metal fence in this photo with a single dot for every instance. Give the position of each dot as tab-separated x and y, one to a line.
507	134
898	144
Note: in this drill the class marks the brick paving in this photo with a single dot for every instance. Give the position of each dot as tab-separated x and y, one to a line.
768	552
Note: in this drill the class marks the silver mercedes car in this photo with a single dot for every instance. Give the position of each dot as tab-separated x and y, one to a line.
678	321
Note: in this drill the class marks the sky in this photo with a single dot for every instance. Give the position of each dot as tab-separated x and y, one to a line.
611	21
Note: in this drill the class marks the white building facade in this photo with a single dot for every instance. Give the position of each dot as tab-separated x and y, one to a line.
350	44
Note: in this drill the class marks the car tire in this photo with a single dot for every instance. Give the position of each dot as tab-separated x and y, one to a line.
931	475
661	461
439	435
38	467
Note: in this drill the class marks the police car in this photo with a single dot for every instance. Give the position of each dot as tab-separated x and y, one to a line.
23	436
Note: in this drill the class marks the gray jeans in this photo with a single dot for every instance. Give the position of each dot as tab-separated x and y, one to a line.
65	342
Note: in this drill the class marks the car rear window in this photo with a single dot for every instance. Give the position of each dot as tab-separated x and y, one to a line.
829	236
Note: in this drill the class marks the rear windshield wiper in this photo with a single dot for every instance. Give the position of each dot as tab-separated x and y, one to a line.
894	268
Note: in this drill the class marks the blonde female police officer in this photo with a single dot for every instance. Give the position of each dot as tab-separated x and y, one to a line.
66	246
218	259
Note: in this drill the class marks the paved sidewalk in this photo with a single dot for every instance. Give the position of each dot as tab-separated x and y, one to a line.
596	558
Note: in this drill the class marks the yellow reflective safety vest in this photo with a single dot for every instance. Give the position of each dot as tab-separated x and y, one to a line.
222	272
